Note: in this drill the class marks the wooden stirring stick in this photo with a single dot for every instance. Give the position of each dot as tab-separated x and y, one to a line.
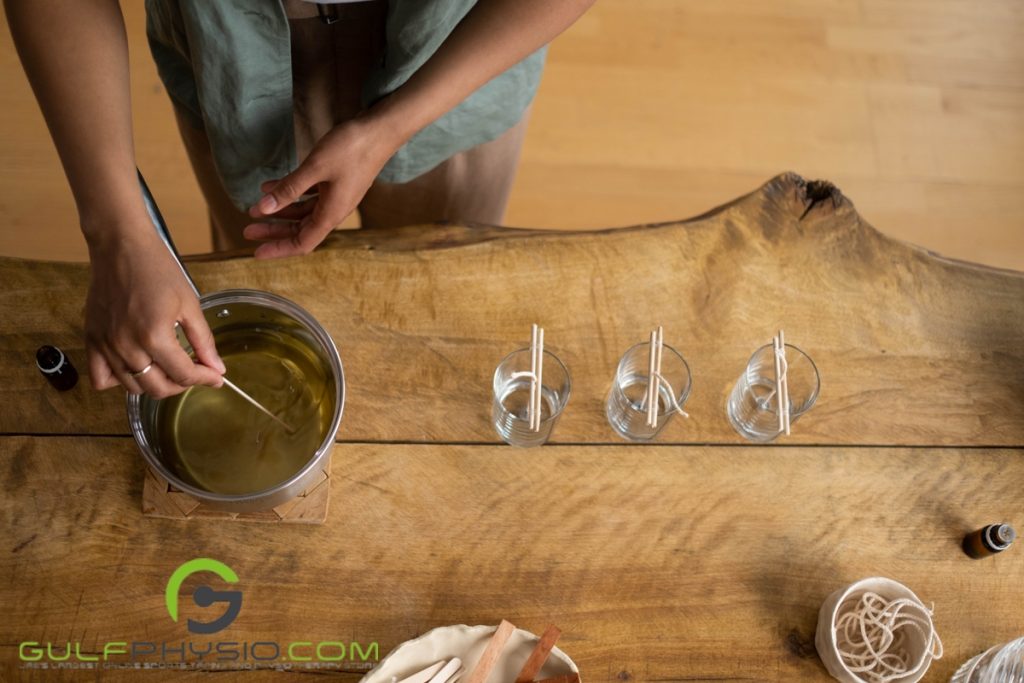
539	655
491	654
231	385
228	383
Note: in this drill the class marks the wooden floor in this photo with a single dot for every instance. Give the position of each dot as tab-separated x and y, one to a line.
654	110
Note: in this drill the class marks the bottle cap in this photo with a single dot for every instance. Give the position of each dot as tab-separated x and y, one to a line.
1004	535
49	359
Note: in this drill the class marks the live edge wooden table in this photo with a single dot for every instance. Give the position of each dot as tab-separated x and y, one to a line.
699	557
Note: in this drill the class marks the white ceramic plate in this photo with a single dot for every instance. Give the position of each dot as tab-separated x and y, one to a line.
467	643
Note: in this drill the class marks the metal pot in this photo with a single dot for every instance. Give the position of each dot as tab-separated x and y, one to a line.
230	309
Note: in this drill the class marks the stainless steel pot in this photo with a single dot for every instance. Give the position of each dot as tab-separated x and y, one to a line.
259	310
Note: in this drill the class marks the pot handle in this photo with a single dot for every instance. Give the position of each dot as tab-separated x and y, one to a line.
161	229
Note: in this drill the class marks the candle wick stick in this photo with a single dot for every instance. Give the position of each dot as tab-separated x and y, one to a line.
536	375
533	376
656	394
540	378
785	380
781	392
651	360
778	381
651	401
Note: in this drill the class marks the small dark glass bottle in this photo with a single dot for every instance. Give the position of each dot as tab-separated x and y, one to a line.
989	540
56	368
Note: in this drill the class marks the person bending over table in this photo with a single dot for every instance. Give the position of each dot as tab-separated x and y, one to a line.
409	111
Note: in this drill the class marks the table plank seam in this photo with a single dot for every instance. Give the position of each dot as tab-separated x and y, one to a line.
598	444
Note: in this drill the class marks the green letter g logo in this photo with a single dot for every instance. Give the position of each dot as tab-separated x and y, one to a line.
204	596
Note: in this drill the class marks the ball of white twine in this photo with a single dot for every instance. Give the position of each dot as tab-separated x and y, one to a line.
872	636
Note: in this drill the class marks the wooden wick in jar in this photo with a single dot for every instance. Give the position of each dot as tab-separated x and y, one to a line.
781	380
536	376
653	376
655	380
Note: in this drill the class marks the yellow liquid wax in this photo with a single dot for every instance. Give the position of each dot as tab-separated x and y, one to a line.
219	442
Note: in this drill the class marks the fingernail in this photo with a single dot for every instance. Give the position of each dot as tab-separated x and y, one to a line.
267	204
219	364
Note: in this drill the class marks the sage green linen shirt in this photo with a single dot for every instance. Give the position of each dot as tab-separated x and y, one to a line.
226	65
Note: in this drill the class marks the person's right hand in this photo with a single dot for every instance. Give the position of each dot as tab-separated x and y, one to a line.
136	294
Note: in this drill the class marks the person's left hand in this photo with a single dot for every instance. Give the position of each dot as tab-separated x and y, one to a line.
339	170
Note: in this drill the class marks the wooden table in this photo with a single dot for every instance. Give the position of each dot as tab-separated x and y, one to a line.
699	557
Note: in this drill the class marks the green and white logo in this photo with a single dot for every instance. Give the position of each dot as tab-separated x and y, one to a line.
205	596
201	654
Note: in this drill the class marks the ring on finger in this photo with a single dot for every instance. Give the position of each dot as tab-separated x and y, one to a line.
142	372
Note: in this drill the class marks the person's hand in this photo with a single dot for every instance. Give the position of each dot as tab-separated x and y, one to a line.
136	294
339	169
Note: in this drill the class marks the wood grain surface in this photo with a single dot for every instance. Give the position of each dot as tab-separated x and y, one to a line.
697	558
913	349
659	563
